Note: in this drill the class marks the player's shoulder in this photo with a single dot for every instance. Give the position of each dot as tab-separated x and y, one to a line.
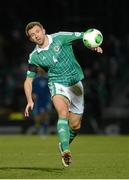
32	55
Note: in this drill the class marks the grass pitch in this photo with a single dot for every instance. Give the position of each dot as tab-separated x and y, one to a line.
36	157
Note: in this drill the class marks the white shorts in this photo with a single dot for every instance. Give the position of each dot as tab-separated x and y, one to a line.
74	93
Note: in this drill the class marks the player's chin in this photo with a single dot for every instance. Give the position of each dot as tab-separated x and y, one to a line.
39	42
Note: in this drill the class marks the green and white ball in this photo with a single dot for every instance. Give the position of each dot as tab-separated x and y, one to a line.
92	38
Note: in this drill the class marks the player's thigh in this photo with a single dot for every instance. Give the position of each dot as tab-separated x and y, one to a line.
77	98
61	103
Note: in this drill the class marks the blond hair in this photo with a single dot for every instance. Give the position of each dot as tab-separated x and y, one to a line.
31	25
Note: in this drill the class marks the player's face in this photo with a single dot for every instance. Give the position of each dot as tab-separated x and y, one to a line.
37	35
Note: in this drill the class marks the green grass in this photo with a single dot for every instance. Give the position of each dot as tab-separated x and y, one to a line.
35	157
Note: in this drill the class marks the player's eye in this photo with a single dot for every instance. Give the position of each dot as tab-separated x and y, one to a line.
32	35
37	31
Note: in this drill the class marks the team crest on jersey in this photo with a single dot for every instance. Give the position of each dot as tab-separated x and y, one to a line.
57	48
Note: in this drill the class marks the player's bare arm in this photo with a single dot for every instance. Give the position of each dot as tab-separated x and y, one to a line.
28	93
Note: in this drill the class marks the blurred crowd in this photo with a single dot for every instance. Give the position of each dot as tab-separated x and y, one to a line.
105	75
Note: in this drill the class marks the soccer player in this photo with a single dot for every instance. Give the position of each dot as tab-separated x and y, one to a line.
54	53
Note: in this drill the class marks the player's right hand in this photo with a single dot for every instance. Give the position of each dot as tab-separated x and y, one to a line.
28	108
97	49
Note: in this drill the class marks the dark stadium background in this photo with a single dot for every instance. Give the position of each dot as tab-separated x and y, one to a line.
107	76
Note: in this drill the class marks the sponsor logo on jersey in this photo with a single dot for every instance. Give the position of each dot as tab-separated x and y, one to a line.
44	57
54	59
77	34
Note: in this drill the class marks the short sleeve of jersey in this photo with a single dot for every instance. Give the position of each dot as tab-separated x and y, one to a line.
30	74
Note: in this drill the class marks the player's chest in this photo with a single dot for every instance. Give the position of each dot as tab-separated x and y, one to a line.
51	56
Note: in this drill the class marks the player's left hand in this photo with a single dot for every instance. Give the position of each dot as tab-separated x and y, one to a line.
98	49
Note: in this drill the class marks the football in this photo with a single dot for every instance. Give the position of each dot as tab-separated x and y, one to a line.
92	38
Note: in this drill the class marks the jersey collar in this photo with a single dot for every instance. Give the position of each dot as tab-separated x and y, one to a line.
46	48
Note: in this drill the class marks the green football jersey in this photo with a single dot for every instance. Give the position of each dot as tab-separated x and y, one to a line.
58	58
